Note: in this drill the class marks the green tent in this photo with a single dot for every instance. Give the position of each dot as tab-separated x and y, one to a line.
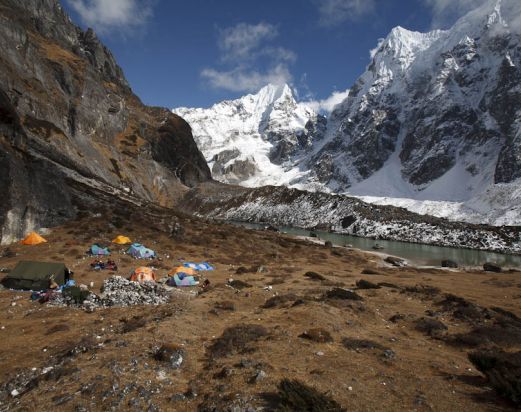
35	275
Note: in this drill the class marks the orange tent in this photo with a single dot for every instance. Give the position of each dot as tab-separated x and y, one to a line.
143	274
188	271
33	238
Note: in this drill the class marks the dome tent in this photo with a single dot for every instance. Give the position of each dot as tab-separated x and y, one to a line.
97	250
139	251
33	238
143	274
121	240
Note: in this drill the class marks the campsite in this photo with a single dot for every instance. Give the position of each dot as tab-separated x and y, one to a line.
275	310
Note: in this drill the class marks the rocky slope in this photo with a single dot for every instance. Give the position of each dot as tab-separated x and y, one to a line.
281	206
72	133
257	139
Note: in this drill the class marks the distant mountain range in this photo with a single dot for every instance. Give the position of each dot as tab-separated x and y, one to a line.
434	125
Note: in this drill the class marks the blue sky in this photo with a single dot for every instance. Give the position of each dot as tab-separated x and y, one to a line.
195	53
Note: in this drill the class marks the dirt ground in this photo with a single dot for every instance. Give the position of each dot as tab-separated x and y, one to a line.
357	352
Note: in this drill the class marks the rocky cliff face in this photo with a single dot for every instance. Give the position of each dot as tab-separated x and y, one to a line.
72	133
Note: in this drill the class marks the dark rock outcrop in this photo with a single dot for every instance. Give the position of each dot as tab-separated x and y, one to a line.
492	267
447	263
72	133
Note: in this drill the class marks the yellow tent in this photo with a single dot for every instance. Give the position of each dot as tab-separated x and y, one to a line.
33	238
122	240
188	271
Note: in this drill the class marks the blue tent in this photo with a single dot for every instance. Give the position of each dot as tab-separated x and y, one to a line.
97	250
139	251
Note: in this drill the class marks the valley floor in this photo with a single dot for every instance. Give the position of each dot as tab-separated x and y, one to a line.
239	343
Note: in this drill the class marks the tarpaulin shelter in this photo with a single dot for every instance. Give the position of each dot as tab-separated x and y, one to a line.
33	238
121	240
143	274
31	275
198	266
139	251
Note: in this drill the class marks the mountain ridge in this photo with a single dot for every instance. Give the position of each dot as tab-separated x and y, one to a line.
431	119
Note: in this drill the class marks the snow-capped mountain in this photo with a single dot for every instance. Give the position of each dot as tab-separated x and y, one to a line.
436	117
441	102
433	125
258	139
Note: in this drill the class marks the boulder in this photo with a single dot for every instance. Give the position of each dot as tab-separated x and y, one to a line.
395	261
492	267
447	263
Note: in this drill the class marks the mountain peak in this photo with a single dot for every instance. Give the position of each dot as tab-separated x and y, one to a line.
273	92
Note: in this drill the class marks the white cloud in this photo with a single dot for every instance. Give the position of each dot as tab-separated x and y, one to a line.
242	40
445	12
334	12
327	105
249	60
111	15
244	79
373	52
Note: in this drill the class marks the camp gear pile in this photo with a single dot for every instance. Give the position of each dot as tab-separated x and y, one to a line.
100	265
